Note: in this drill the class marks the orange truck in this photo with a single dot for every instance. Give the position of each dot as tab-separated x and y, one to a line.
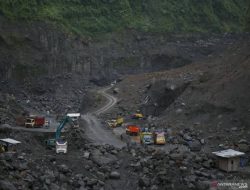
132	130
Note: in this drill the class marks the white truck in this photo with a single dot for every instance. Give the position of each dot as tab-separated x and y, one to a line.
61	146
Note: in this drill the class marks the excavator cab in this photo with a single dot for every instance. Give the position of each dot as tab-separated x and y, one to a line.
59	143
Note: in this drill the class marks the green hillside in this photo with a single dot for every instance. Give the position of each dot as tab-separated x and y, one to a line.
248	17
91	17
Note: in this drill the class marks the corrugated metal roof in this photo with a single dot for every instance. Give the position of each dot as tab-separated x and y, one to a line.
11	141
73	114
229	153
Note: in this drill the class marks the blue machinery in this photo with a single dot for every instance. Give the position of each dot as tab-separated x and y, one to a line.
61	126
52	142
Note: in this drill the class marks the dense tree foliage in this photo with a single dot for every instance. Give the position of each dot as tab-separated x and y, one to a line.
101	16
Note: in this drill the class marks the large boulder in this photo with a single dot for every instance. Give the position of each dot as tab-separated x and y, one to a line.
103	159
243	147
144	181
194	146
6	185
203	185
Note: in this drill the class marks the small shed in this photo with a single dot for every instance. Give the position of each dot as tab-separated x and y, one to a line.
9	144
228	160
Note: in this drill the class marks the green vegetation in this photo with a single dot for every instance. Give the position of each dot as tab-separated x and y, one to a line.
93	17
248	17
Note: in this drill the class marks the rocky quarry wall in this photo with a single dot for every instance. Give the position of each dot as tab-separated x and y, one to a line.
35	49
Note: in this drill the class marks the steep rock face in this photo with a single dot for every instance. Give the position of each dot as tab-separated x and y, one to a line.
39	49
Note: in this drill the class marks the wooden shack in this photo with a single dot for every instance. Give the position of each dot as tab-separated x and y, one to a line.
228	160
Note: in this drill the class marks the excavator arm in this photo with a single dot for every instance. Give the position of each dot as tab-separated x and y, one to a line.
52	142
61	126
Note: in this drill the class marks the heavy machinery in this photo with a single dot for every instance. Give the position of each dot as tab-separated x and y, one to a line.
132	130
75	119
116	122
60	143
146	137
159	137
137	115
34	121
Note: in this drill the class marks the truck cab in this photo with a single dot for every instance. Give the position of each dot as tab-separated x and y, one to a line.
61	146
132	130
30	122
147	138
159	138
75	119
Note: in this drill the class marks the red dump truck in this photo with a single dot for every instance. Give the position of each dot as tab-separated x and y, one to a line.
132	130
34	121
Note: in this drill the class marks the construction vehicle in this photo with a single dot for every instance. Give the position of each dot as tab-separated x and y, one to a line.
34	121
60	144
146	137
137	115
75	119
115	122
159	137
132	130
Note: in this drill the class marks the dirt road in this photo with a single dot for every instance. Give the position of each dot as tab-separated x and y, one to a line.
111	101
94	129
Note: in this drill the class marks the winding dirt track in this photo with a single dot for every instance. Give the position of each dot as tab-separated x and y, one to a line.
94	130
111	101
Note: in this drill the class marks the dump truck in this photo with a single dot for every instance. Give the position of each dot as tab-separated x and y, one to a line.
132	130
146	138
75	119
137	115
115	122
34	121
159	137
